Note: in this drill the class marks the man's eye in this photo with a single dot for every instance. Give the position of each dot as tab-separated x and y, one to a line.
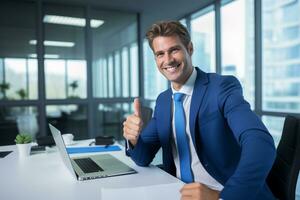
159	55
175	50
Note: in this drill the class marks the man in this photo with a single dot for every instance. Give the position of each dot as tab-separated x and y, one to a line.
209	136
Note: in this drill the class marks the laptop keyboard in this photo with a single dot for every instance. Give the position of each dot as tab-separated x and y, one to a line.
88	165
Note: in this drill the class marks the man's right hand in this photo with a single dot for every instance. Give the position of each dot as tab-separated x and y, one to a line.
133	125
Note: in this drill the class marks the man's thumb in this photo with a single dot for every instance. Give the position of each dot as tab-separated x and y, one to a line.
137	107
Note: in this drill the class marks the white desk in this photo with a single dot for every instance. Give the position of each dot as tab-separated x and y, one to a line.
44	176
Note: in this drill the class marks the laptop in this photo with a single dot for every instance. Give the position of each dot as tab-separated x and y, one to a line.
90	166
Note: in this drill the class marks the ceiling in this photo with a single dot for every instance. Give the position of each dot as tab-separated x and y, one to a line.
126	5
150	10
16	32
142	6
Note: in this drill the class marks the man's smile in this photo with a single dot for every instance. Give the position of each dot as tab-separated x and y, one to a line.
171	68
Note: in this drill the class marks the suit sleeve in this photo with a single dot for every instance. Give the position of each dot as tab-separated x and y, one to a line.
147	146
257	145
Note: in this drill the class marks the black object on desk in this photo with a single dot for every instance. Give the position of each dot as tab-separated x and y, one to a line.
37	150
45	140
4	153
104	140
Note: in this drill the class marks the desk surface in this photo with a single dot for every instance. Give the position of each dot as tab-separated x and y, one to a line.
44	176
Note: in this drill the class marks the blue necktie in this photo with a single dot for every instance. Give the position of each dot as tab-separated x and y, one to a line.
182	140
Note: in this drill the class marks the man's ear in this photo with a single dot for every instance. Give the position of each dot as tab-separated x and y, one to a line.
190	48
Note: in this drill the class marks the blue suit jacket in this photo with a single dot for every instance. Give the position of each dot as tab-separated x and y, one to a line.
231	142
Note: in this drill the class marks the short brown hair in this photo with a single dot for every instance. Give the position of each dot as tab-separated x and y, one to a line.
168	28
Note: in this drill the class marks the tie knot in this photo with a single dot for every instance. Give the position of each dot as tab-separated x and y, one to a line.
178	96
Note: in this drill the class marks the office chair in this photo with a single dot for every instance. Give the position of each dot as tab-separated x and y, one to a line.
282	179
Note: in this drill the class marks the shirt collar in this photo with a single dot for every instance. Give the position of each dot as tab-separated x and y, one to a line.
188	87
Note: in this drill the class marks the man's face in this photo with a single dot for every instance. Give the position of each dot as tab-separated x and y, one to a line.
173	59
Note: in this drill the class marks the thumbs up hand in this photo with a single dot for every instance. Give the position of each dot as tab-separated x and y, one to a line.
137	107
133	124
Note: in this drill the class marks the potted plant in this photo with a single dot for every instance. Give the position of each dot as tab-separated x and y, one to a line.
3	87
22	94
23	142
73	85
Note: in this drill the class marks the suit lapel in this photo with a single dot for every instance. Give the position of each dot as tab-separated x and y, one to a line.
167	123
200	87
166	119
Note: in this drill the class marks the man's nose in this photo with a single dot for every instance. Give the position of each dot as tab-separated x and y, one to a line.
169	58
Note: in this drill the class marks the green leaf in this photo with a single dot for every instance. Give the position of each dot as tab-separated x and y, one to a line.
23	139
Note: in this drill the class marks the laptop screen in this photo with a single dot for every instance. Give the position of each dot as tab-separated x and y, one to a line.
62	149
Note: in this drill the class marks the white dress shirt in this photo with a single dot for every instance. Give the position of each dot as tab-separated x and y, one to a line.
200	174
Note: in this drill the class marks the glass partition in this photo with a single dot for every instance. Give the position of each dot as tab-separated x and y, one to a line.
17	56
110	118
69	119
115	55
17	120
65	64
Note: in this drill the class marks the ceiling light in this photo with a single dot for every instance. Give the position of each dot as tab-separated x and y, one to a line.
33	55
95	23
71	21
54	43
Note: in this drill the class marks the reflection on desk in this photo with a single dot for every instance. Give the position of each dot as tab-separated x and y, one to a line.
164	191
44	176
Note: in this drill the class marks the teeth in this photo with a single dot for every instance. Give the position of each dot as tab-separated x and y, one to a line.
171	69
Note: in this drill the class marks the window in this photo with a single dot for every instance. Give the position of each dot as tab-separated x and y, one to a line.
183	22
65	78
23	70
237	36
203	38
134	63
281	50
55	79
76	79
115	55
65	64
118	73
275	126
125	72
110	76
281	63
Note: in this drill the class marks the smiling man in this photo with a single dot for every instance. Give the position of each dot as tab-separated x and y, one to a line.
209	136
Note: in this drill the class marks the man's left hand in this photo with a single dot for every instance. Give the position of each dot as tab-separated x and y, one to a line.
198	191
